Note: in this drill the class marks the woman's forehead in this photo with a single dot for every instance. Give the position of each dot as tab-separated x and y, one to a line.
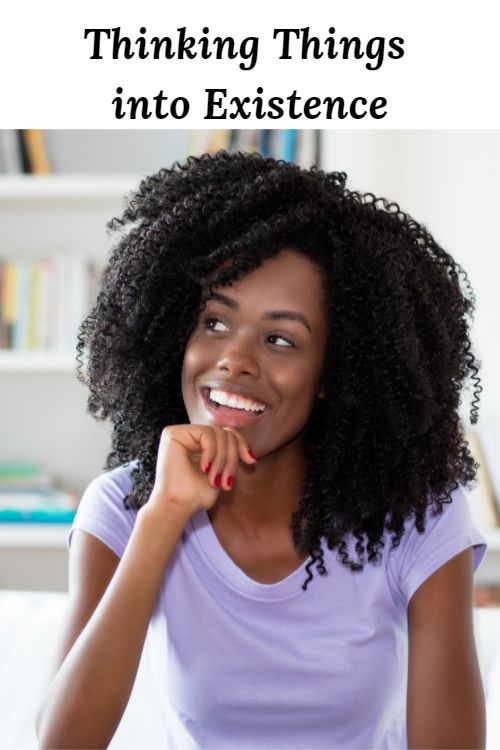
290	271
289	281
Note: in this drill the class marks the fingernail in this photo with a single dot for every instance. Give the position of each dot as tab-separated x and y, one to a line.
207	468
252	455
229	481
217	480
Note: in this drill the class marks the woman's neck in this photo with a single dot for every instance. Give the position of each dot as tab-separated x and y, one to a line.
266	494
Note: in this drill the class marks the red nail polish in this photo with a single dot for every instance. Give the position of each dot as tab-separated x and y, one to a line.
207	468
252	455
217	480
230	481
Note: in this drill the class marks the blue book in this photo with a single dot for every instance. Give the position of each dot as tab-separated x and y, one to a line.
20	328
288	145
265	143
45	505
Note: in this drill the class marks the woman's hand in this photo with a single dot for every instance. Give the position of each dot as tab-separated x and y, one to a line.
194	463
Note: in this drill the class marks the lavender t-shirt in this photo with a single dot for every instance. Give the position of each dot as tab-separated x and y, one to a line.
246	665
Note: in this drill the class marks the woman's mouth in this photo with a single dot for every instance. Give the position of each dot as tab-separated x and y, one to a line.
230	409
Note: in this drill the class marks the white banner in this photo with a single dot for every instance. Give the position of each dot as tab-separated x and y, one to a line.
227	64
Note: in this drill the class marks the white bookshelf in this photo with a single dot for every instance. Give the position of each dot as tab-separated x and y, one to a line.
26	188
34	536
36	362
43	406
489	570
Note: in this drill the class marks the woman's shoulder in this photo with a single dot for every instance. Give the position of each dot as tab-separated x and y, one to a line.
114	482
420	553
102	510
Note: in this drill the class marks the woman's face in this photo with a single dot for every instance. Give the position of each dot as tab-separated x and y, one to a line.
254	361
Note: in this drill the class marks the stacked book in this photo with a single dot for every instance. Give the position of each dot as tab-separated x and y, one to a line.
24	152
484	444
298	146
43	302
484	498
28	495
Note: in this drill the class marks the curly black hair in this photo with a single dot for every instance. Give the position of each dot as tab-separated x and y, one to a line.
387	441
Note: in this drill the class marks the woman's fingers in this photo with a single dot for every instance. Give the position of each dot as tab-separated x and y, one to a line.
244	449
220	450
232	457
219	459
184	452
208	444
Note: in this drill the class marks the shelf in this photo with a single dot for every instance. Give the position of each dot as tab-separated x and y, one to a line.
21	187
493	539
22	535
37	362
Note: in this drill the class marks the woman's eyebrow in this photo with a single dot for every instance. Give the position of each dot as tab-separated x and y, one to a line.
269	315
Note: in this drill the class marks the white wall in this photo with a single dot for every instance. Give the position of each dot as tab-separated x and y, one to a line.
115	151
449	180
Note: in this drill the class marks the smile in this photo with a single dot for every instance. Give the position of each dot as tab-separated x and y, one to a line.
230	409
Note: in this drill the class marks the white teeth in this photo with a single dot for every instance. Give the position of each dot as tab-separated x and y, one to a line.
226	399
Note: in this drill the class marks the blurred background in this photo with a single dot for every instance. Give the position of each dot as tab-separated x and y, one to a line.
58	188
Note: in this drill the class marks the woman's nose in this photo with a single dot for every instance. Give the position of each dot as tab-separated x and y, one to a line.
239	359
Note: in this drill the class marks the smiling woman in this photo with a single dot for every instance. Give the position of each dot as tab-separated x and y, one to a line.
261	346
282	360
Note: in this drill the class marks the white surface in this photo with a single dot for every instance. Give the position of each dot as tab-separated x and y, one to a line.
30	623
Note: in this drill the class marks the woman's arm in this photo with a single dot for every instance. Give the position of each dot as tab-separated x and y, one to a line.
86	699
445	701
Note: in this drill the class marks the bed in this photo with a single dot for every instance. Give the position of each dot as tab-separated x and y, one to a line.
30	622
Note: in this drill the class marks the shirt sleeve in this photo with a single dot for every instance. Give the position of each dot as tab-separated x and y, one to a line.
446	535
102	511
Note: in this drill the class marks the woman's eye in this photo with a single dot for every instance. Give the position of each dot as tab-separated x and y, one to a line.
288	342
212	323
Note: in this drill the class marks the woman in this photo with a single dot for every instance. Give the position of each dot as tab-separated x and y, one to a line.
282	361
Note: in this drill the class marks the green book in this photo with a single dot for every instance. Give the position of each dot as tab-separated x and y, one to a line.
23	474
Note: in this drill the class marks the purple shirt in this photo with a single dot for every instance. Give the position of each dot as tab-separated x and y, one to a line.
246	665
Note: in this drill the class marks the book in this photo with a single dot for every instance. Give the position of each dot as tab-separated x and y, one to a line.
198	142
288	145
33	301
218	139
4	334
43	302
9	301
246	140
24	474
47	505
44	309
265	143
20	329
23	150
36	152
10	152
307	148
487	595
489	439
28	495
482	503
